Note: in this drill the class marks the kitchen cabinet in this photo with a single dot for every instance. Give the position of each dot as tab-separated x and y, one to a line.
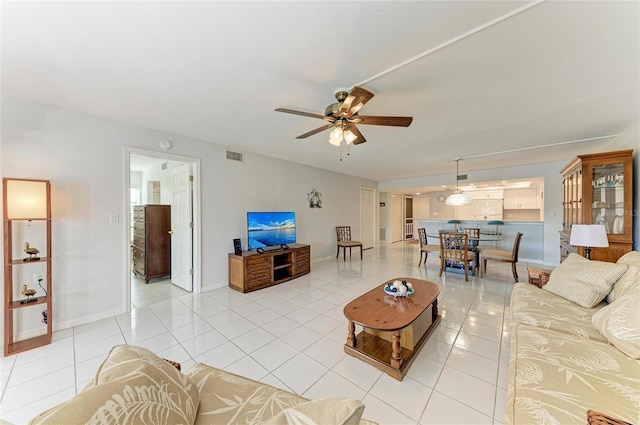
598	189
487	209
521	199
487	194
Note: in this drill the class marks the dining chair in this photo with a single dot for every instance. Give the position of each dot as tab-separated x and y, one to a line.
496	230
454	224
474	245
454	248
344	241
504	256
425	247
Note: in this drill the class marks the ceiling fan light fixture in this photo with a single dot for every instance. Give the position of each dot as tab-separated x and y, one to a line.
335	142
349	137
336	134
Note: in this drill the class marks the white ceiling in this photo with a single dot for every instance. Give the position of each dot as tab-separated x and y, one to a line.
478	77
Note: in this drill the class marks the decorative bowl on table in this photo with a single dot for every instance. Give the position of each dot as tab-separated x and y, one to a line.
398	288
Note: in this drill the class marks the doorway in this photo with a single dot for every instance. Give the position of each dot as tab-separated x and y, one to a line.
161	178
396	221
367	217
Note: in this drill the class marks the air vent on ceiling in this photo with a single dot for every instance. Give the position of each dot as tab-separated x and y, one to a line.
235	156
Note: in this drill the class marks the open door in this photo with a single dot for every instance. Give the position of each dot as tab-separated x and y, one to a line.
182	227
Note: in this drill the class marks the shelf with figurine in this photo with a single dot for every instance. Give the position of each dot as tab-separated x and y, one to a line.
27	219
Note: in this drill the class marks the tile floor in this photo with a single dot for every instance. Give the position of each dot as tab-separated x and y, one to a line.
159	289
291	336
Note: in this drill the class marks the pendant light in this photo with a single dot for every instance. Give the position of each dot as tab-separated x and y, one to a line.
457	198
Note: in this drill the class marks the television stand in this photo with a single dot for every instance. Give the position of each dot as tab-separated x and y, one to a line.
251	271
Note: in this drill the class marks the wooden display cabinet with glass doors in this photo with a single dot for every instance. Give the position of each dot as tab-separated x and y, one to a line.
26	218
598	189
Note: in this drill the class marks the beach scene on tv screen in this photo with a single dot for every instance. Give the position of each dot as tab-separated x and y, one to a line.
271	228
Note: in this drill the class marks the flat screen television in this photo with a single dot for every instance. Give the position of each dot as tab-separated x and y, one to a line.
270	229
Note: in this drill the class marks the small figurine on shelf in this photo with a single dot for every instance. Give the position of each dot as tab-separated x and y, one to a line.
28	293
33	252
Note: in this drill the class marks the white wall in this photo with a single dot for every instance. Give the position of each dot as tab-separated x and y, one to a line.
83	156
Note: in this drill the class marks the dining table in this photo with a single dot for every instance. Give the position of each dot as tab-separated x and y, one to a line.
474	243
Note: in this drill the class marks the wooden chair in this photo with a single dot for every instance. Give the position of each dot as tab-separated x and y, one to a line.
344	241
425	247
495	230
504	256
474	245
454	247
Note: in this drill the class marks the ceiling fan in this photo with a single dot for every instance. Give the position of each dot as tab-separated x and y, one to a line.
343	117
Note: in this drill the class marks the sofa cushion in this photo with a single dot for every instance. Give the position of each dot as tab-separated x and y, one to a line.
554	378
629	279
230	396
619	322
584	282
534	306
326	411
235	399
132	385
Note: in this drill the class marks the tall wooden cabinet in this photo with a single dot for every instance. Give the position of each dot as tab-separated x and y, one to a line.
28	315
151	241
598	189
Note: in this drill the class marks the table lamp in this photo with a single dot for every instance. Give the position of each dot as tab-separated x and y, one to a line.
589	236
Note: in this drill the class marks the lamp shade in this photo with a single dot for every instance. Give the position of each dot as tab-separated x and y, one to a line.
457	199
349	137
26	199
589	235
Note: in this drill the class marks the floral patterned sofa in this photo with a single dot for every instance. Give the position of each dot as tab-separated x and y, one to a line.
134	386
575	345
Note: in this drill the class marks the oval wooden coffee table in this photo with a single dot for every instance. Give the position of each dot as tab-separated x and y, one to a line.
394	329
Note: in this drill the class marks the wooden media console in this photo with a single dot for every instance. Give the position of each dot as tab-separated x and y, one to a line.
251	270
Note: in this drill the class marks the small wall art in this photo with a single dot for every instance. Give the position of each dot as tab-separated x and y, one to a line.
315	199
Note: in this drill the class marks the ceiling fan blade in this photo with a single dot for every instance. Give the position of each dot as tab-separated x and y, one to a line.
355	101
380	120
317	130
305	114
359	137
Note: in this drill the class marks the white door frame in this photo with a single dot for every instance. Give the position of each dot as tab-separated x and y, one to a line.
396	226
197	242
372	212
404	218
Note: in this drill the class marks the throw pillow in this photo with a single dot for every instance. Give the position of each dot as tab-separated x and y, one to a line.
132	385
325	411
619	322
584	282
629	279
